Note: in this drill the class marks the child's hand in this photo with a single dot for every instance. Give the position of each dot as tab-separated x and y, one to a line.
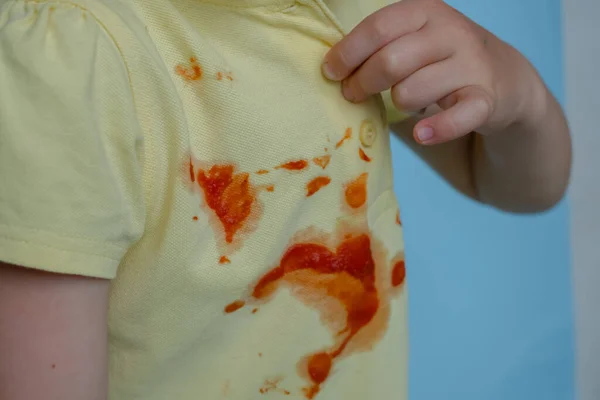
427	53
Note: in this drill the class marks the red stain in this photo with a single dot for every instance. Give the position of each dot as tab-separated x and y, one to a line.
363	155
345	275
356	191
294	165
270	188
224	260
192	173
195	218
233	307
322	161
347	135
398	273
262	172
229	195
398	218
191	73
254	311
316	184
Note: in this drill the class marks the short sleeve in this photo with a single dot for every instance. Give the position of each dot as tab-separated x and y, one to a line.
350	13
70	145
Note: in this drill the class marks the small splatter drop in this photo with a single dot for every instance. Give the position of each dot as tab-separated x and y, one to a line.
254	311
322	161
195	218
271	385
260	354
356	191
347	135
227	75
319	367
398	218
262	172
270	188
294	165
363	155
191	73
233	307
398	273
229	195
224	260
316	184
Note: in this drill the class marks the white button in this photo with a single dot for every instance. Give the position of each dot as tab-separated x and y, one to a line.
368	133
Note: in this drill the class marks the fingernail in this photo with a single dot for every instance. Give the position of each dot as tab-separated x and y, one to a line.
425	134
328	71
347	92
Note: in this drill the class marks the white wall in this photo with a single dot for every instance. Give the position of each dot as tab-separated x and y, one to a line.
582	79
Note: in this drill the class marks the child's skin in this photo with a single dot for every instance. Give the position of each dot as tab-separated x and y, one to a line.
53	344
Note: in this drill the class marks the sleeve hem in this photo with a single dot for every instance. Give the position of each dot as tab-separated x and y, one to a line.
45	257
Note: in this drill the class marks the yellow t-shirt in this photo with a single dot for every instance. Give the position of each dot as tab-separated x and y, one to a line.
193	151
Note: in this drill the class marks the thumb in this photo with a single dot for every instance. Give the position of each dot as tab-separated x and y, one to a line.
463	112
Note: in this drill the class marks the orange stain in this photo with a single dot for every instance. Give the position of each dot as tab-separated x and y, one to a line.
347	135
254	311
363	155
322	161
271	385
294	165
316	184
270	188
398	218
224	260
345	275
192	173
356	191
398	273
191	73
229	194
262	172
227	75
233	307
195	218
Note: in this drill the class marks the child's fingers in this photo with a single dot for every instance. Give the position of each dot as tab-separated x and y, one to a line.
372	34
430	84
472	109
395	62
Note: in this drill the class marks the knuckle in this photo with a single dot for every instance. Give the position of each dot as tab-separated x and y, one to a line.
389	64
380	31
401	97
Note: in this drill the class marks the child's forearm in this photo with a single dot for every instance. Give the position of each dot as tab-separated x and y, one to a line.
526	167
53	341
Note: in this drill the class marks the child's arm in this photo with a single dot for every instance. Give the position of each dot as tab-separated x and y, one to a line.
71	197
428	53
52	335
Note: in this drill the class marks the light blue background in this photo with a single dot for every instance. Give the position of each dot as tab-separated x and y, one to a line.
490	293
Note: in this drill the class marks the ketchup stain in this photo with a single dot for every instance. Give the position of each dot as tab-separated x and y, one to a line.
270	188
294	165
322	161
398	218
233	307
192	172
347	135
346	275
271	385
316	184
356	191
398	273
262	172
221	76
224	260
229	195
363	156
191	73
195	218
